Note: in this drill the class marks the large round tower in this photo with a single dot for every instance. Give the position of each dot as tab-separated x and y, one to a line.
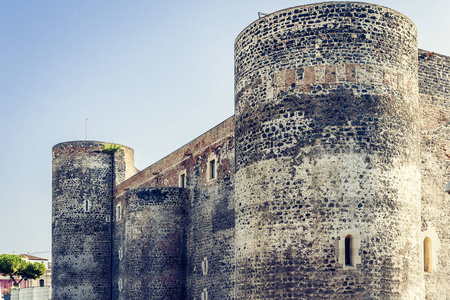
327	158
83	179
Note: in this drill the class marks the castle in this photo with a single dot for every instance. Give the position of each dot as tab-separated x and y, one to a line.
328	182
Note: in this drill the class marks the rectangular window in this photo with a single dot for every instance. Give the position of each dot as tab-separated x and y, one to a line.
212	169
183	180
118	212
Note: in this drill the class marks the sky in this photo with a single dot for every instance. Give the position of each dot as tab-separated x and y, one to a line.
151	75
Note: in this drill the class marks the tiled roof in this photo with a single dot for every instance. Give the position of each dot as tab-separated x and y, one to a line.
32	257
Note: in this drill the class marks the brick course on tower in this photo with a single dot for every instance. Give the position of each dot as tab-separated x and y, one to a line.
328	182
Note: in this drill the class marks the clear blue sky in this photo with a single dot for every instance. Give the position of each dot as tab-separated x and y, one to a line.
151	75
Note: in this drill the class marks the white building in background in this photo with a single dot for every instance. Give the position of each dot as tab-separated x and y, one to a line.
46	279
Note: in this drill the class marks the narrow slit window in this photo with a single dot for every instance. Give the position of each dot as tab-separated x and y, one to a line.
427	261
205	294
349	251
118	212
205	266
212	169
86	205
183	180
348	248
120	285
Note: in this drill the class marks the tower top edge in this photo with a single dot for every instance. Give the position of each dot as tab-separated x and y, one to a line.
325	3
84	143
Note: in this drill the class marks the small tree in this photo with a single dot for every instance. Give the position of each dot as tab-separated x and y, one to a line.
14	265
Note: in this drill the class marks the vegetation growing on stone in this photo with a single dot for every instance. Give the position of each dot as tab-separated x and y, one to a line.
111	148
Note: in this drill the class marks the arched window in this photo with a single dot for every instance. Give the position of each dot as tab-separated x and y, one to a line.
349	250
41	282
427	262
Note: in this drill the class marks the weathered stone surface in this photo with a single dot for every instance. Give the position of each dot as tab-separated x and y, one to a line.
209	209
434	89
149	256
333	148
329	177
82	239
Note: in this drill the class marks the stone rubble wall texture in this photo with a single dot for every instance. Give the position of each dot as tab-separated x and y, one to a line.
81	240
340	127
434	93
150	245
210	209
327	131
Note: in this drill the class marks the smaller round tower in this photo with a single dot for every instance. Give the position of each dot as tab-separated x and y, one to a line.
83	180
149	257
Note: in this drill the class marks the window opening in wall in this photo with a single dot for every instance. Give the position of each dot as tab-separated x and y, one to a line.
120	285
205	266
120	253
41	282
183	180
349	250
205	294
86	205
427	255
212	166
118	212
212	169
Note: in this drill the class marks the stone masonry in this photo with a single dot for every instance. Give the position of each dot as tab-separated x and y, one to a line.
328	182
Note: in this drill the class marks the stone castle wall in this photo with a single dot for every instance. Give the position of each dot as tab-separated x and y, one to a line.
332	101
434	89
83	178
149	256
327	129
209	211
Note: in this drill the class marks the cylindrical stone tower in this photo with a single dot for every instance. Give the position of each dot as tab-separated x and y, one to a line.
327	158
83	184
150	244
